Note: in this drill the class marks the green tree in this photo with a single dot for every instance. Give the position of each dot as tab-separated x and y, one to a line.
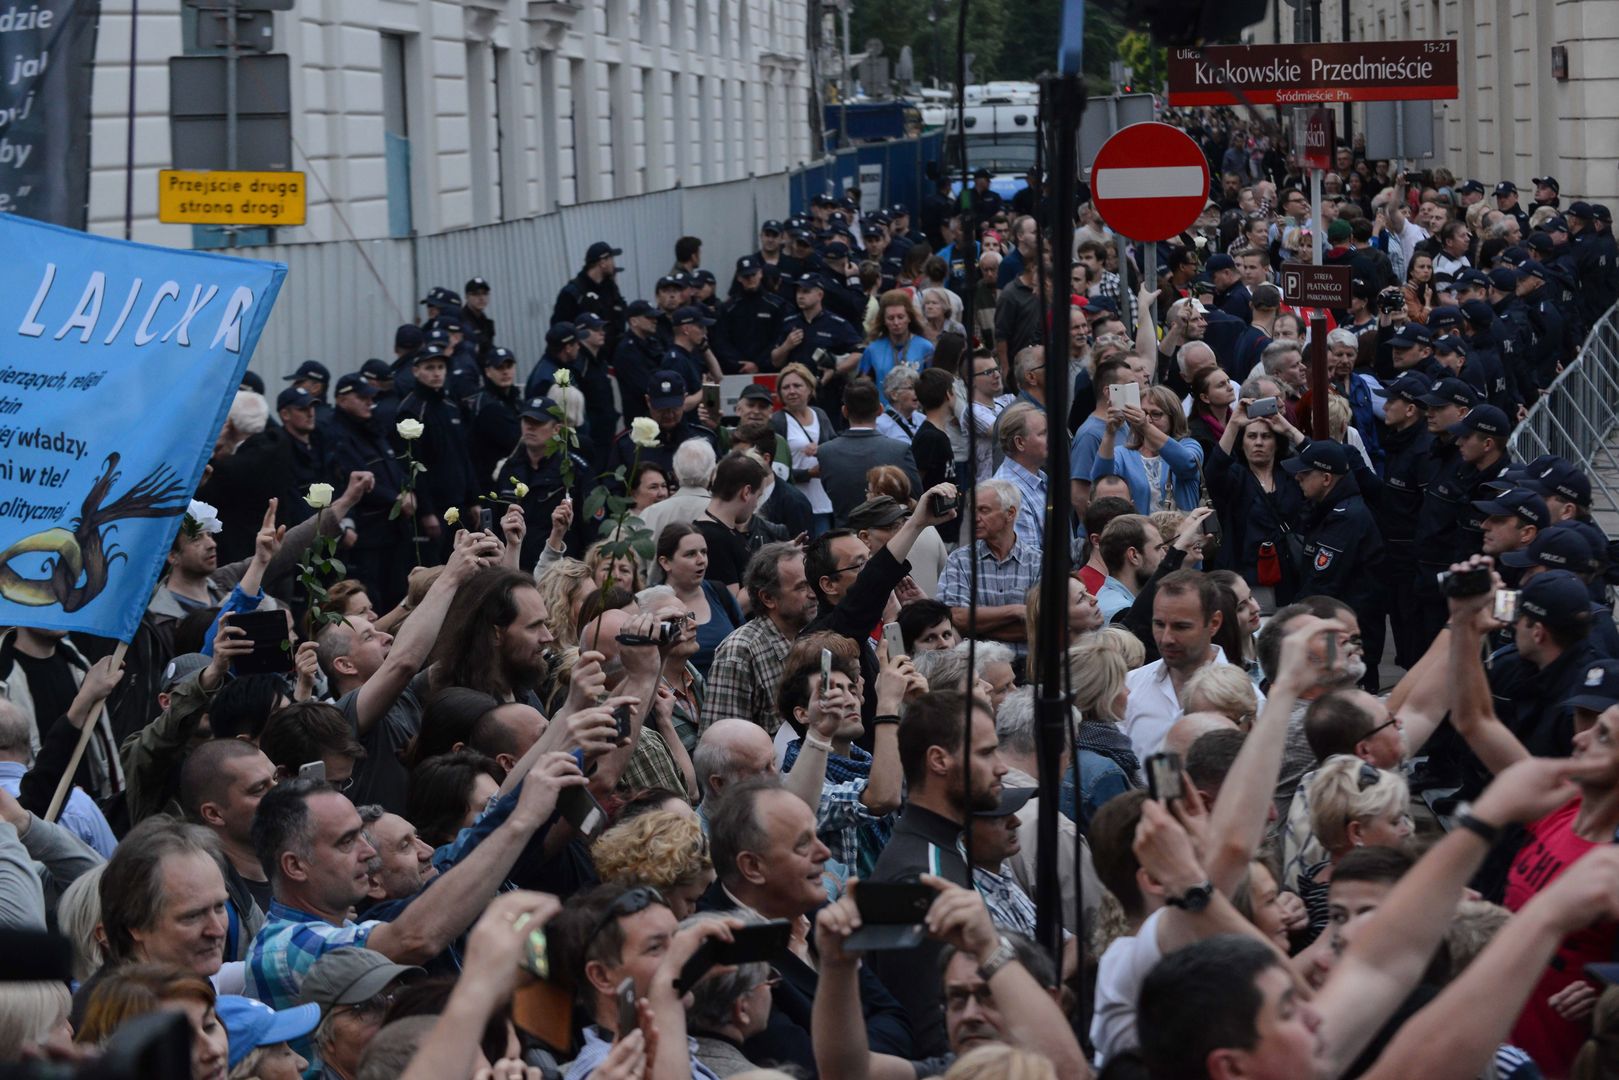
1149	62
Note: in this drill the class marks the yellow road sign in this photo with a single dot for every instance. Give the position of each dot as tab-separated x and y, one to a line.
220	197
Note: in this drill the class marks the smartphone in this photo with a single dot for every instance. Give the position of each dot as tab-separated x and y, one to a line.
894	638
628	1018
1331	650
1122	395
272	644
826	671
486	519
749	944
1505	608
1164	776
892	915
1265	406
711	397
581	810
624	716
314	770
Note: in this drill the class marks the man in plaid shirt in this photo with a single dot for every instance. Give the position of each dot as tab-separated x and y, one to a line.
748	665
1007	567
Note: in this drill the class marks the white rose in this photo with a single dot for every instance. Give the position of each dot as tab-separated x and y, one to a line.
409	430
564	378
451	516
644	431
320	495
520	489
204	516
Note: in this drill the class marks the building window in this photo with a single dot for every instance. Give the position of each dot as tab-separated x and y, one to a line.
396	134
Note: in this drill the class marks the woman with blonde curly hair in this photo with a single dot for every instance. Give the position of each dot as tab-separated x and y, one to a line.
564	584
1353	804
661	848
999	1061
1225	689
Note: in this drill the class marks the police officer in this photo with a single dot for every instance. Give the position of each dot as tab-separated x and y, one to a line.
876	238
1561	547
1447	491
313	376
493	410
381	555
1481	446
813	330
594	289
1520	345
1595	260
706	289
535	464
440	303
1547	191
561	350
596	383
899	229
1564	486
1513	519
442	448
638	355
1407	467
689	352
982	202
841	297
670	296
301	459
1343	548
1411	347
466	373
749	322
666	404
379	375
1532	679
1551	334
770	256
1506	201
1450	351
475	320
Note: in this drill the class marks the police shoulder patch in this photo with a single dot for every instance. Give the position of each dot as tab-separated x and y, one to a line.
1324	557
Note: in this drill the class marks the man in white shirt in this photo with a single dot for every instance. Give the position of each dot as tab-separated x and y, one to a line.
1454	240
1185	617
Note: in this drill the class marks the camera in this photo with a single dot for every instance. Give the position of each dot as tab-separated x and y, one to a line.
1459	584
942	506
1391	299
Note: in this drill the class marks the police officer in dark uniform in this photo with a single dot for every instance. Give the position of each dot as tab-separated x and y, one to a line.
381	556
1594	260
301	455
466	373
1561	547
1412	349
980	200
1522	345
1532	679
801	258
561	352
1343	549
670	296
1451	353
1488	336
772	238
900	231
493	410
841	297
1447	490
442	447
595	289
475	320
440	303
596	383
748	323
1551	335
706	294
638	355
666	404
1481	444
812	330
313	376
689	352
1506	201
1408	463
535	464
876	238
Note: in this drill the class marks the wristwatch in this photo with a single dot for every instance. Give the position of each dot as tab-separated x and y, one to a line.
1004	954
1480	828
1194	899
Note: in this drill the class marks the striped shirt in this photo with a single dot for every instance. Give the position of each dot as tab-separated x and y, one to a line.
1000	581
1031	489
288	946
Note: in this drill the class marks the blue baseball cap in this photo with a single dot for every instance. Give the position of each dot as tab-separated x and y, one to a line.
1556	548
1484	419
588	320
667	390
499	356
1411	334
1450	391
294	397
310	369
1563	479
748	264
539	409
690	315
771	226
1412	386
561	333
1505	278
811	281
1598	689
1556	598
1446	317
1525	504
1324	454
355	383
1473	279
638	308
1450	343
251	1024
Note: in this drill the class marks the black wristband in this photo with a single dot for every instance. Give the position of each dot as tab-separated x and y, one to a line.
1483	829
886	718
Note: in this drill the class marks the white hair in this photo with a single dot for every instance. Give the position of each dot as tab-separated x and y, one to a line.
1015	723
572	400
990	652
649	597
1184	355
249	412
694	462
1004	493
900	377
944	669
1340	336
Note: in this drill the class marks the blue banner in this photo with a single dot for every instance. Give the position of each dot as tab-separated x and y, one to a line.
118	365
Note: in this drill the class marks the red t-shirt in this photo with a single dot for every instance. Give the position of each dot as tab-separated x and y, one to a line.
1540	1032
1092	578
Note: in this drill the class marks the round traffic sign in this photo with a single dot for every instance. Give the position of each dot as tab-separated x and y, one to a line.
1150	181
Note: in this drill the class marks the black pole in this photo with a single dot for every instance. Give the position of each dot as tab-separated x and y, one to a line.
968	233
1064	103
129	127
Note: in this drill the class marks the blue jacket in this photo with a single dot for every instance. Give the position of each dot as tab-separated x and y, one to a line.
1184	458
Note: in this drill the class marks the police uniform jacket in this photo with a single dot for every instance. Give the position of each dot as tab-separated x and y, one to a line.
479	329
442	447
546	488
748	327
601	299
1449	529
1517	337
826	331
663	454
359	446
1596	256
689	366
495	427
1397	497
1343	549
1550	335
634	361
544	375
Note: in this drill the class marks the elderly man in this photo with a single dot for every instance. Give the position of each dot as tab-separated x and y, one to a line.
1022	440
1007	567
353	989
768	861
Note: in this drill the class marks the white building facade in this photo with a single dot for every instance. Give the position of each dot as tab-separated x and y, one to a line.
422	116
1539	79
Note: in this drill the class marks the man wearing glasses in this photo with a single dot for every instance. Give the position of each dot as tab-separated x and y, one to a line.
353	988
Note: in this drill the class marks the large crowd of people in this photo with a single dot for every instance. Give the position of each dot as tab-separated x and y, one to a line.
621	731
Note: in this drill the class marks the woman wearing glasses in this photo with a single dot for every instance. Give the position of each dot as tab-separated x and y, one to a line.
1353	804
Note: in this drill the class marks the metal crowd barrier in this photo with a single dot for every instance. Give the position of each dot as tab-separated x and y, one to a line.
1578	414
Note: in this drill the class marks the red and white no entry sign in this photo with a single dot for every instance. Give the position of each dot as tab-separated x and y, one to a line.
1150	181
